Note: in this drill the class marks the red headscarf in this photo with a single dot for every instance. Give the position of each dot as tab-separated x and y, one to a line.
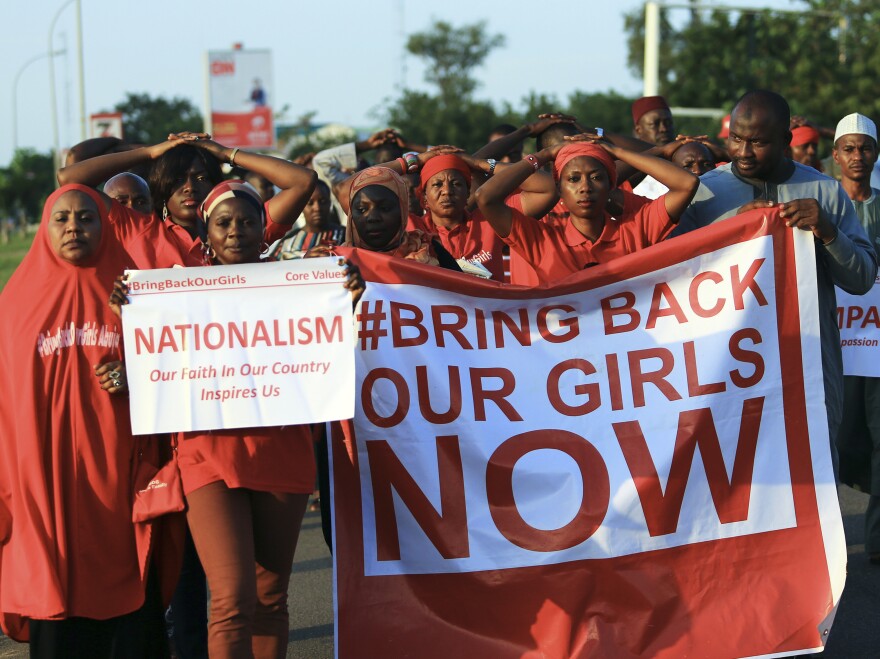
66	449
439	164
232	189
804	135
590	150
414	245
724	133
646	104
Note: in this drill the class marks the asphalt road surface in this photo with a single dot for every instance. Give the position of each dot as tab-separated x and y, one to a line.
855	634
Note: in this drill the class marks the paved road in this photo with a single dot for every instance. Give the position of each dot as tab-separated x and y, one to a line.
855	635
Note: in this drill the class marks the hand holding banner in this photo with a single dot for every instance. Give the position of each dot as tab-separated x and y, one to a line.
618	466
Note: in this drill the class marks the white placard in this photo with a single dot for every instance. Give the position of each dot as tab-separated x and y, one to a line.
266	344
859	322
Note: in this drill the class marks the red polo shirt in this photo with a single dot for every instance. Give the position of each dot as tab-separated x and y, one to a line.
556	251
474	240
523	274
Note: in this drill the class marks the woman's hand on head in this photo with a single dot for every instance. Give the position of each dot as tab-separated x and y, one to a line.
549	119
438	150
668	150
190	136
205	143
593	138
112	377
158	150
550	152
119	294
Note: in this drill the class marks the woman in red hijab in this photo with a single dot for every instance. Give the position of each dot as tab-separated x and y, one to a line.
246	488
378	210
73	567
378	203
585	173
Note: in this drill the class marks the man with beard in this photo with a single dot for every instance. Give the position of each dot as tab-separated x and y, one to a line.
761	176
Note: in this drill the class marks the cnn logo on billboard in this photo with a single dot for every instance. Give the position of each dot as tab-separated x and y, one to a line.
223	68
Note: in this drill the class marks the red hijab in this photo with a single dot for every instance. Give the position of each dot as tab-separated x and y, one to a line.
66	449
415	245
586	149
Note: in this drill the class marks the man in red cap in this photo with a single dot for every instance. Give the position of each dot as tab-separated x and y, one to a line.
652	123
652	120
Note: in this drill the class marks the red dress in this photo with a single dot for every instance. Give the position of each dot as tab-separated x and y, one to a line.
275	459
68	546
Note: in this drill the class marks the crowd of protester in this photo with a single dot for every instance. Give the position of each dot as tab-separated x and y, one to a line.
79	578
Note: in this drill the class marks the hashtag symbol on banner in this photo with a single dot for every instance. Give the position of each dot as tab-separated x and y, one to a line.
371	324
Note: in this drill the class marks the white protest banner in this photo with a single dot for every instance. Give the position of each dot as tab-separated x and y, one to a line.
632	463
265	344
859	322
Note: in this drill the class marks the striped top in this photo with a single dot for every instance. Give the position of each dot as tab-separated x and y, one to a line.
297	242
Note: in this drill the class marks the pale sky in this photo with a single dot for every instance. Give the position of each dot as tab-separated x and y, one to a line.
342	59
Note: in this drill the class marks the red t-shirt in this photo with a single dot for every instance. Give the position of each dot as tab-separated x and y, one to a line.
554	252
151	242
272	459
523	274
274	230
474	240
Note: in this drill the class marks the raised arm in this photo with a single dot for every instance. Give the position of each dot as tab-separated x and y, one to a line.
94	171
538	191
681	183
96	146
492	194
295	182
503	145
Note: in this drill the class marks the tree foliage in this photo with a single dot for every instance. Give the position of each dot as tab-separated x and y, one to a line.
26	183
452	115
149	120
452	54
824	72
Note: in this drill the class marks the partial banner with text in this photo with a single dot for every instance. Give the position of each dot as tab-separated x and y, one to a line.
632	463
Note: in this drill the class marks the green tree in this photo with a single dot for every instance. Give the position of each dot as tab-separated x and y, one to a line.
149	120
715	56
26	183
452	54
607	110
452	115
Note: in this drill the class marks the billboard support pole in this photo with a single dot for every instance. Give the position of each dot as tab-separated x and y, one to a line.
207	113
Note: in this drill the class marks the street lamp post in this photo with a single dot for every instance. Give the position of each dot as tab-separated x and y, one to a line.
82	96
56	142
35	58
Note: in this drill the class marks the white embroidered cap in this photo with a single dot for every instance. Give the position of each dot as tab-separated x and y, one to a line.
855	124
